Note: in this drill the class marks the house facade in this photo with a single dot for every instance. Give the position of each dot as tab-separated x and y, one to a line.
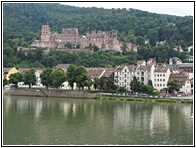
124	75
161	77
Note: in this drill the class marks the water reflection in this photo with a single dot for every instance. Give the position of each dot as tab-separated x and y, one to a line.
84	121
159	120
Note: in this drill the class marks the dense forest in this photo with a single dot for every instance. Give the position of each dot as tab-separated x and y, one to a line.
22	24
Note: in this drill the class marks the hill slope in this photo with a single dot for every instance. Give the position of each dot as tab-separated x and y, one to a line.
24	20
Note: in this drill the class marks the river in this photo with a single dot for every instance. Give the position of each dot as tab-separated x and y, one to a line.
62	121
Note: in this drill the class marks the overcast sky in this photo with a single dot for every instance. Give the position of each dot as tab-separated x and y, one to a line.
173	8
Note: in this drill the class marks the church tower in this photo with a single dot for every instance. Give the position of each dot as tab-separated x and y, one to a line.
45	34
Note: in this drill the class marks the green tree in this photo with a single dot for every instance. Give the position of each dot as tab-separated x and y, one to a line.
15	78
140	40
96	83
5	81
78	46
45	77
150	82
95	48
70	75
57	77
109	83
173	85
81	77
101	82
29	78
69	45
135	85
146	89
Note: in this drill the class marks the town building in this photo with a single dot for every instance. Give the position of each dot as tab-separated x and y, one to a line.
144	73
124	75
161	77
183	81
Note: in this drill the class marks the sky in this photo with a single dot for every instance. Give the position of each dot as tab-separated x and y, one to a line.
173	8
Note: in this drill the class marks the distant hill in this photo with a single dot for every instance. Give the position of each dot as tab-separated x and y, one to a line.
24	20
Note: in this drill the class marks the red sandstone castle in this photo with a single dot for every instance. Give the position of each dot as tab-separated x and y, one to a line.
103	40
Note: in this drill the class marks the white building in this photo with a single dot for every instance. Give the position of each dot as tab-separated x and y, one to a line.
144	73
123	76
161	77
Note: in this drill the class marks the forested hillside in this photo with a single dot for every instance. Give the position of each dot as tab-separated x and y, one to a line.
22	24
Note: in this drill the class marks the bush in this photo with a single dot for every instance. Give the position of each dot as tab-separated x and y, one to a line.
113	98
187	101
165	100
97	97
139	99
130	99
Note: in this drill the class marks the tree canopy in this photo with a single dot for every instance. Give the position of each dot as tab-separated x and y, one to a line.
15	78
29	78
22	24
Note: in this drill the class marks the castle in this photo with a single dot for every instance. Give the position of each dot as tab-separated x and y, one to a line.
103	40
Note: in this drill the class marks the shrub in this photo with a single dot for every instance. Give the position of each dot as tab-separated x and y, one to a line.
97	97
187	101
130	99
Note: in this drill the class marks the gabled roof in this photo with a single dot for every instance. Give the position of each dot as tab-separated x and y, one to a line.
146	67
108	72
95	72
64	66
139	62
161	69
23	70
6	70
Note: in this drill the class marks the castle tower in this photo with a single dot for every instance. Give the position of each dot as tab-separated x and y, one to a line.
45	34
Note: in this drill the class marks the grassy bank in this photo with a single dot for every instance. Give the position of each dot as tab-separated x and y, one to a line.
160	100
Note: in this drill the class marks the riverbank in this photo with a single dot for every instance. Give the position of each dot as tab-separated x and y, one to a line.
146	99
6	92
37	92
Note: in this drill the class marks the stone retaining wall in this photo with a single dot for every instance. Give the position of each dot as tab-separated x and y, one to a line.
53	93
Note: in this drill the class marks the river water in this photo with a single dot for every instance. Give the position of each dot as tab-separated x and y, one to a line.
61	121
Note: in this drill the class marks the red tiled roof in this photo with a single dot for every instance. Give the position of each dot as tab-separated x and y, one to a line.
95	72
23	70
161	69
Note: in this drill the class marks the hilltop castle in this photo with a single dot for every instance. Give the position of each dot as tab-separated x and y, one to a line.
103	40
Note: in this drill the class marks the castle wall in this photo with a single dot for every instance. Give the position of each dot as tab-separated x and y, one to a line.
103	40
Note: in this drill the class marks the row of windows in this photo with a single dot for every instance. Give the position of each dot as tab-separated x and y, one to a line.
95	39
159	79
122	84
159	85
159	75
